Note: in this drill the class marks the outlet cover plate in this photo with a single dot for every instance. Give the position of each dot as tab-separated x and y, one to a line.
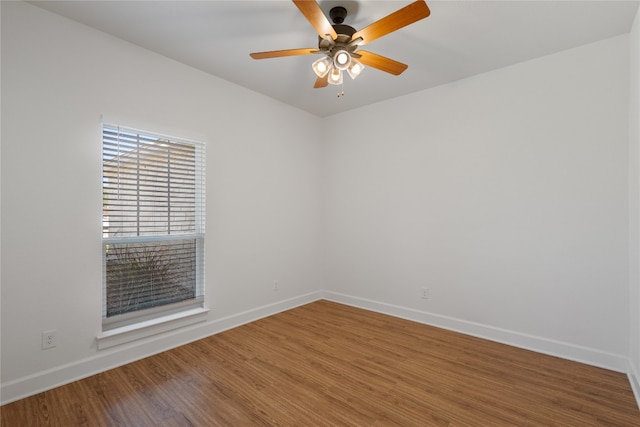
49	339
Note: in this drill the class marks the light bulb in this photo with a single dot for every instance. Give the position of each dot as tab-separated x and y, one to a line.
335	77
355	68
321	66
341	59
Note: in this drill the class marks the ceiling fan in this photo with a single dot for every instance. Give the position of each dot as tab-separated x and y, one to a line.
338	43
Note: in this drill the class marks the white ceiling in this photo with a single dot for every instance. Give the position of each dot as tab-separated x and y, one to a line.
459	39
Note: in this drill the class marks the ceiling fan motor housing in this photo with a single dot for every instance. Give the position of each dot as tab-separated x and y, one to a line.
337	14
344	36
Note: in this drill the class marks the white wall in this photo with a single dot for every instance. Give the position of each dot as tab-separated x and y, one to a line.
634	205
262	192
505	194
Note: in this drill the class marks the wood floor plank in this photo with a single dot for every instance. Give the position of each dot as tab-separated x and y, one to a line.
327	364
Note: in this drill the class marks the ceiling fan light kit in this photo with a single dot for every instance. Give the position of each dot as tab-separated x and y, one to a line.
338	42
337	61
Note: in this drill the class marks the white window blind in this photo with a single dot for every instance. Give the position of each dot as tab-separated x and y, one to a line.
153	225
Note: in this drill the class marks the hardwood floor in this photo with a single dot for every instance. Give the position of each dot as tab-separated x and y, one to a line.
328	364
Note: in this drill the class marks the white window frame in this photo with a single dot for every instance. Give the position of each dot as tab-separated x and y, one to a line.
126	327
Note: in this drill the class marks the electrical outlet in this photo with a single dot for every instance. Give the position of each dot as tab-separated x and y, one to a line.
275	285
425	293
49	339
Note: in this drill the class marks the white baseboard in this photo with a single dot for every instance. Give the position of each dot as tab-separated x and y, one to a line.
114	357
632	374
568	351
102	361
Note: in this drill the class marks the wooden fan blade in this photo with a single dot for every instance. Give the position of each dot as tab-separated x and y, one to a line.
321	81
280	53
311	10
382	63
400	18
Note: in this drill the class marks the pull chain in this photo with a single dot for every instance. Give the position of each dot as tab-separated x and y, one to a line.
341	93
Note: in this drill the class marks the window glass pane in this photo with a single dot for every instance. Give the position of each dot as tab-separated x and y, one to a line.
149	184
145	275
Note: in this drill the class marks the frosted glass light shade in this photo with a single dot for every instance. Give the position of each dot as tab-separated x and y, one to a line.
321	66
335	77
355	68
341	59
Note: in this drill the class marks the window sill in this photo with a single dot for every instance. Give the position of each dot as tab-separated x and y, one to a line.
148	328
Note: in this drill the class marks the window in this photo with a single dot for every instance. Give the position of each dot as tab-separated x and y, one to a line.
152	225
